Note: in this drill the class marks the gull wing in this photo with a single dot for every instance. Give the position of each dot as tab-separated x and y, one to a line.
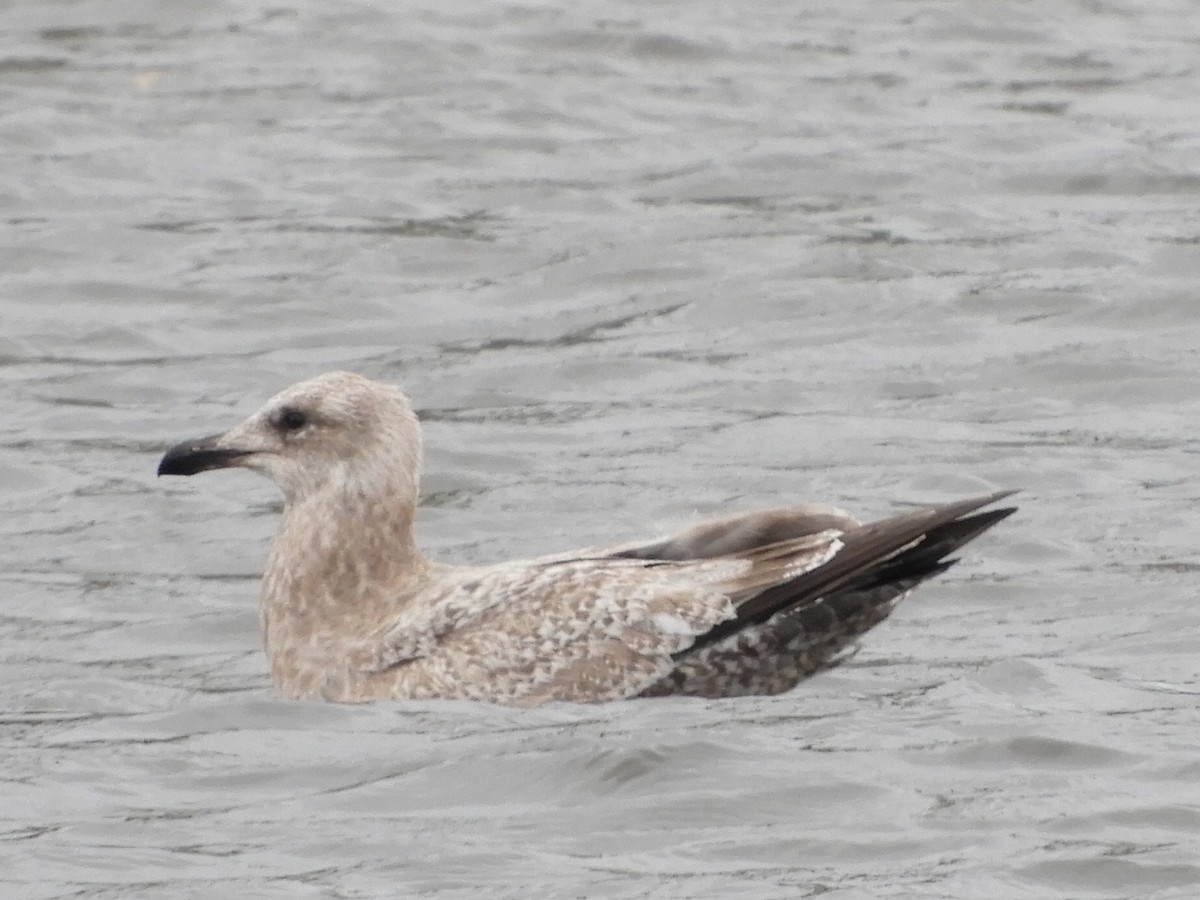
791	630
585	629
712	611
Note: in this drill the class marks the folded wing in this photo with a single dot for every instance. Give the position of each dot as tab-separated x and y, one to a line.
745	604
586	629
790	630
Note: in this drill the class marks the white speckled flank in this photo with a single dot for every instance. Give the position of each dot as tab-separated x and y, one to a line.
351	610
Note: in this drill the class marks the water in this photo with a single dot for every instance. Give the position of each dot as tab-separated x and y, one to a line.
634	262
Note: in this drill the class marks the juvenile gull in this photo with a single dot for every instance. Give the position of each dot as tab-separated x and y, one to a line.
351	611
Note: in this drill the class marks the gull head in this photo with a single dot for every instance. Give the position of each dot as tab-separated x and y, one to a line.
337	434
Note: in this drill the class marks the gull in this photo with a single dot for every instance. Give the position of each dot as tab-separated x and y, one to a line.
351	611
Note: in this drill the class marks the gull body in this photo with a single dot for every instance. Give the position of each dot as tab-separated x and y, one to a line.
351	610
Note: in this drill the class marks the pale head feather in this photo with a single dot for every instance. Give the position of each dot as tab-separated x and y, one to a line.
359	439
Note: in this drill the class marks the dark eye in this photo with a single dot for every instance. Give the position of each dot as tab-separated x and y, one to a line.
293	419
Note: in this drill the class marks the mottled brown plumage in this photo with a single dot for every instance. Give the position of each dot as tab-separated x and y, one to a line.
351	611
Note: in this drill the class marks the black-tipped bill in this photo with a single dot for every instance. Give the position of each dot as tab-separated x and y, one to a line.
199	455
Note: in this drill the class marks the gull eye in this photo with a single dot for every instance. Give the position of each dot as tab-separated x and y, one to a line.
292	419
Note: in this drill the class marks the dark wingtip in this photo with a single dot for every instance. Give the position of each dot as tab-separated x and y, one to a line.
190	457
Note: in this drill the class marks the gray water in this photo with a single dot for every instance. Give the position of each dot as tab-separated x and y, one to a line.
635	262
